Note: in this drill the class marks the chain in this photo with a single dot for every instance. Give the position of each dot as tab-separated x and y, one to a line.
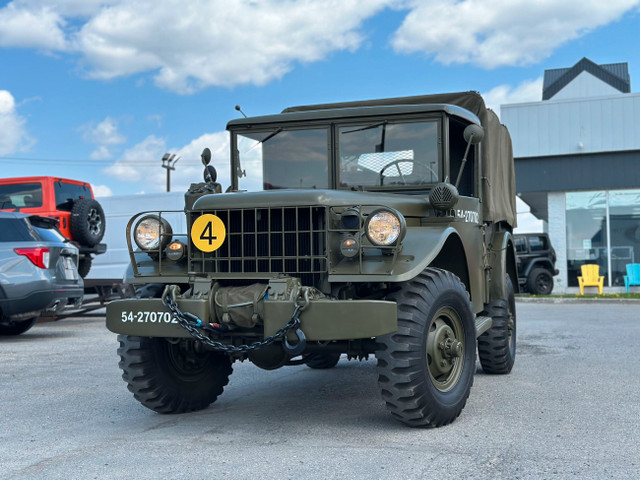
192	324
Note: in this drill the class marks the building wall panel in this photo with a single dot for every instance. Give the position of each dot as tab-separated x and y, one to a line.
569	127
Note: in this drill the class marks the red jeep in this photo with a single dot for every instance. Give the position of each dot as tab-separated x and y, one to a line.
71	202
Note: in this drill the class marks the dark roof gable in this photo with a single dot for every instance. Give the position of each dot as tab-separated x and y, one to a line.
614	74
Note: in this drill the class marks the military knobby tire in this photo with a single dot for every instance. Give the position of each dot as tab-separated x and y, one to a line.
172	377
87	222
321	360
17	328
425	368
497	346
84	265
540	281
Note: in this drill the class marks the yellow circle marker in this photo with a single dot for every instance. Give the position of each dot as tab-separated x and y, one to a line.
208	233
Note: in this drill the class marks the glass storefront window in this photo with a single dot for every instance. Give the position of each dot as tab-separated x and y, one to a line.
624	218
599	223
586	233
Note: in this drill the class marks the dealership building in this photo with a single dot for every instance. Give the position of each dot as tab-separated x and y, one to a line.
577	160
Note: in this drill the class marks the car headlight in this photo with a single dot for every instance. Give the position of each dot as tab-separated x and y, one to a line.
385	227
152	233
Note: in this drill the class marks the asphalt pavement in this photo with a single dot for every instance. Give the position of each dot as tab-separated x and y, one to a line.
569	409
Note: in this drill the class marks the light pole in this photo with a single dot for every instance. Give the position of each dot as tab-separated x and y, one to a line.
169	161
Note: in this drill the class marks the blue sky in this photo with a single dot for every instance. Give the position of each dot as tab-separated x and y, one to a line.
99	90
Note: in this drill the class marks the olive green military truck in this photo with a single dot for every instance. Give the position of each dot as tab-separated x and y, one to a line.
374	228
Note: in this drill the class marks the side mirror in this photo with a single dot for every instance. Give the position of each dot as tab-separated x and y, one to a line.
473	134
206	156
210	174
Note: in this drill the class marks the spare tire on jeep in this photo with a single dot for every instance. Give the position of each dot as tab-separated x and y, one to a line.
87	222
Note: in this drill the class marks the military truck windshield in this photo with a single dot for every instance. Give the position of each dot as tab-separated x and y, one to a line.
388	154
279	158
370	155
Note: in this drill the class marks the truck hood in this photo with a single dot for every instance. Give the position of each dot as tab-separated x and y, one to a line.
408	205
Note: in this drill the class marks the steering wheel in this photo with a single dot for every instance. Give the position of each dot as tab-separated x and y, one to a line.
397	164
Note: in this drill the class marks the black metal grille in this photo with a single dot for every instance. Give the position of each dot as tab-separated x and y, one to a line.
290	240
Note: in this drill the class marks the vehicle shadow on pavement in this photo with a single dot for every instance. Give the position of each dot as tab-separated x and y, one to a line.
33	335
298	401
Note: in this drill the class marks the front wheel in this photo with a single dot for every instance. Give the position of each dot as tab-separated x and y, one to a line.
321	360
425	368
172	377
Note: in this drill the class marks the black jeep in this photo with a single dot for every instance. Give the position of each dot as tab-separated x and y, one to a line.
536	262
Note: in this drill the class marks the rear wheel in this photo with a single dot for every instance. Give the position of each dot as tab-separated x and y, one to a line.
172	377
425	368
540	281
16	328
84	265
497	346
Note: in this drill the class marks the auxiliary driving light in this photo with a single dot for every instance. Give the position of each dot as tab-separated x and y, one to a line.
349	246
175	250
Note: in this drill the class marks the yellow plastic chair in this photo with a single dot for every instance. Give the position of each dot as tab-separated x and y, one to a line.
590	278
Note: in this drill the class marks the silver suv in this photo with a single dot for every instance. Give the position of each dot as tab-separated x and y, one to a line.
38	271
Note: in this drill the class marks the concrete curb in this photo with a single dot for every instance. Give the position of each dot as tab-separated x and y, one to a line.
583	300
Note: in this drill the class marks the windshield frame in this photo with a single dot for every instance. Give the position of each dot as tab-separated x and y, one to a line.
333	125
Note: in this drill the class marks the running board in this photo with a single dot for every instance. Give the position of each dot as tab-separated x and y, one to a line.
483	324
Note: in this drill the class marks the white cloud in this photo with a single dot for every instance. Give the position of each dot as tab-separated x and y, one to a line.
105	134
219	42
32	26
101	191
139	162
492	33
528	91
13	134
190	45
101	153
142	163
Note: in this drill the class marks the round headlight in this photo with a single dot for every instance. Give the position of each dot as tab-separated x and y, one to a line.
385	227
152	232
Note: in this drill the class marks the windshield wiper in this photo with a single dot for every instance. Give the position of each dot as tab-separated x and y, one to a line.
379	148
368	127
265	139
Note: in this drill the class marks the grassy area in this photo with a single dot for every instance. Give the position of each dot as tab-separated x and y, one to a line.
577	295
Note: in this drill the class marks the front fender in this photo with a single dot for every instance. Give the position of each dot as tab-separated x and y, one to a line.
420	247
542	263
502	262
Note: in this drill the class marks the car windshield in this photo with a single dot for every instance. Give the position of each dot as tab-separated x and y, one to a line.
278	158
388	154
370	155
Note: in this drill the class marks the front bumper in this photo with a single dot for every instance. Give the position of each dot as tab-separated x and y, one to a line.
323	320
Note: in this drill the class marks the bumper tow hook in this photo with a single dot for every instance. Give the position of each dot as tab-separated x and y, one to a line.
301	344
